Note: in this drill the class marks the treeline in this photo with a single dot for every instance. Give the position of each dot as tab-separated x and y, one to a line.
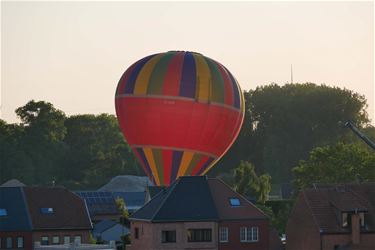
282	125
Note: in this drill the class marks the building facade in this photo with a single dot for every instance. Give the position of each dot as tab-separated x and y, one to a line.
333	217
199	213
44	215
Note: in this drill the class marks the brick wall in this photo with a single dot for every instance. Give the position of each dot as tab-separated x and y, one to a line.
302	232
331	240
37	235
150	236
27	239
234	235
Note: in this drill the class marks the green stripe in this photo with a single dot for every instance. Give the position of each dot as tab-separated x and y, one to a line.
193	163
155	86
158	158
217	82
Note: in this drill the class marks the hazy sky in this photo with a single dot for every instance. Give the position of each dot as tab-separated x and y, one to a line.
72	54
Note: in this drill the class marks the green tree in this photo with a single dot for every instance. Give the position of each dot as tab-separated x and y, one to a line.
96	151
247	182
339	163
284	123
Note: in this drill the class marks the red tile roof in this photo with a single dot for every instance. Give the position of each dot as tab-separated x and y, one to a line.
69	210
328	202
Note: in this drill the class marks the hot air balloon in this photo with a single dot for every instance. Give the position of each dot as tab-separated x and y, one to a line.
180	112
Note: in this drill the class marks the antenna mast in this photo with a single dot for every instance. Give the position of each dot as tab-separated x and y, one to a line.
291	73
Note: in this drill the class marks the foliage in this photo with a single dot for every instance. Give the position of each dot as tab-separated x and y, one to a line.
284	123
339	163
248	183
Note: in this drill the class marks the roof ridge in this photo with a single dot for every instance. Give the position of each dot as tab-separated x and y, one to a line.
242	197
309	206
27	208
213	200
170	190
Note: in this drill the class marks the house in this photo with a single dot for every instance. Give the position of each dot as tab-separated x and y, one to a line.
197	212
41	214
333	217
128	183
101	205
109	230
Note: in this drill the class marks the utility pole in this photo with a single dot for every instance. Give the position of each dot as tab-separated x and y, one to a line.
291	73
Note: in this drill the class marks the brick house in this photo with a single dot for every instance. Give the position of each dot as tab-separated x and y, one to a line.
333	217
197	212
41	214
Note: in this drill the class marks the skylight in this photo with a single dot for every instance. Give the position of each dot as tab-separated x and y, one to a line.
234	202
3	212
46	210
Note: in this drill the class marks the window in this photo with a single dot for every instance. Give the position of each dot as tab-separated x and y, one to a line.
66	239
234	202
55	239
77	239
3	212
168	236
44	240
136	233
223	234
46	210
199	235
362	219
346	220
19	242
249	234
9	242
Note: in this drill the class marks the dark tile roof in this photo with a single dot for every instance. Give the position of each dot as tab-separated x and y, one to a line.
17	219
102	226
221	194
187	199
99	203
154	190
328	202
127	183
69	210
196	198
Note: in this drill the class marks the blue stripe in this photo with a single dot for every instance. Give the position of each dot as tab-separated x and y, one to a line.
208	162
236	90
188	77
143	157
176	161
129	85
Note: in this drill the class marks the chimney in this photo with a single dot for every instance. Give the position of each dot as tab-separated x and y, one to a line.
356	229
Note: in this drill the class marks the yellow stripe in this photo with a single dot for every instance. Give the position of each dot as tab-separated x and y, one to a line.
151	162
203	78
186	159
143	78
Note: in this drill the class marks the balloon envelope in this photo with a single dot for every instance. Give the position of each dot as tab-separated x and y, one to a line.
180	112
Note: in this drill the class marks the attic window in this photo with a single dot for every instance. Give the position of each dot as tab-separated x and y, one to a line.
234	202
46	210
3	212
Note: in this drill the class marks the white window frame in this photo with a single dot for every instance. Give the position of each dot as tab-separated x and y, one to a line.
249	234
54	241
67	239
223	234
20	242
78	239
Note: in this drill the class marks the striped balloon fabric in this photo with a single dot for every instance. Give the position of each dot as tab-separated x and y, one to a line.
180	112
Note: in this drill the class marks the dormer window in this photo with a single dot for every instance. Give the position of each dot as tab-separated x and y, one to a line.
3	212
46	210
362	219
345	219
234	202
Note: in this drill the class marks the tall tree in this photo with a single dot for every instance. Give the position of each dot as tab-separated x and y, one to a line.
284	123
339	163
247	182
